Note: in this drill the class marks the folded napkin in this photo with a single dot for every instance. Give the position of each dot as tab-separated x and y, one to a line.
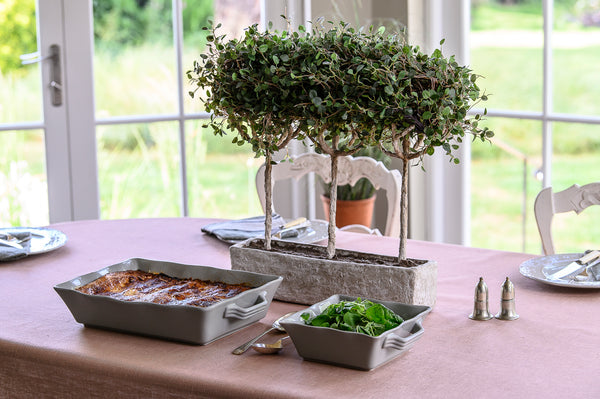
9	253
242	229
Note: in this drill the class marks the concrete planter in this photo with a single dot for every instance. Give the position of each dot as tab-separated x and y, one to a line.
309	277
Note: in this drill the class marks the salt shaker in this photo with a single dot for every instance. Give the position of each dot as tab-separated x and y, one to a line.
507	304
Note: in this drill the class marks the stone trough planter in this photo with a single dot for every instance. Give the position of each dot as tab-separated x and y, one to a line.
309	277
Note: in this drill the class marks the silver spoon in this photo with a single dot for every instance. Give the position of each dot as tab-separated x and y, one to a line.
276	326
270	348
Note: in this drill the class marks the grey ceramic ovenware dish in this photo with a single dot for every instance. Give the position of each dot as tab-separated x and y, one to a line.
190	324
351	349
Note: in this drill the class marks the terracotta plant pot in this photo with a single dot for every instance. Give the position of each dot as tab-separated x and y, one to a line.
351	212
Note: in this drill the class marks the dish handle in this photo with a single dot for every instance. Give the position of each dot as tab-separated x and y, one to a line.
235	311
403	339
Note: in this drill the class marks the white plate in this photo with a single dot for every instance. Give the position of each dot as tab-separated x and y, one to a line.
42	240
541	268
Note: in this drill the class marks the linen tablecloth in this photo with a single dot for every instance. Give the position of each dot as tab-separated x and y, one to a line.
551	351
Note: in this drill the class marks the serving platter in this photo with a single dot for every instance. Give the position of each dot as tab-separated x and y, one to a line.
42	239
190	324
541	268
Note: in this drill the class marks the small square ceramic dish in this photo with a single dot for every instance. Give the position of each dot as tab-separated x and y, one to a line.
190	324
352	349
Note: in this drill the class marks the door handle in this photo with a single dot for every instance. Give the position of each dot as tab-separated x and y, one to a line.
55	71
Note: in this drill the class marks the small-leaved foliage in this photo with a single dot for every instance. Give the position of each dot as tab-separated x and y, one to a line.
344	89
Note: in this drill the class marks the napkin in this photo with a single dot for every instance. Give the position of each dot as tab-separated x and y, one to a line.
8	253
243	229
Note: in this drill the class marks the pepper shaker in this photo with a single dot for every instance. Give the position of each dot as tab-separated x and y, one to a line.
480	307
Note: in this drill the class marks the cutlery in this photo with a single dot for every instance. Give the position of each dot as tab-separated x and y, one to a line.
12	238
10	244
276	326
594	270
291	225
270	348
577	266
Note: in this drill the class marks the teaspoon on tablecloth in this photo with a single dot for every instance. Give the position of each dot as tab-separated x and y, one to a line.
276	326
270	348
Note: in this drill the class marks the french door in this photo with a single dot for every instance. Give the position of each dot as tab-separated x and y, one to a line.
48	167
111	131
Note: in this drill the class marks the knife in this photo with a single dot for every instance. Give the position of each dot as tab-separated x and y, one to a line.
577	266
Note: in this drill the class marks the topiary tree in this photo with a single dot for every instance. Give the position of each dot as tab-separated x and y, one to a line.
325	111
245	81
416	102
344	90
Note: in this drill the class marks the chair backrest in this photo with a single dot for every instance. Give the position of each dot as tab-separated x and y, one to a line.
350	170
547	203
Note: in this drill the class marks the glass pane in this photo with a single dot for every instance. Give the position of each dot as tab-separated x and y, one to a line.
576	160
20	85
234	17
23	183
507	50
221	175
134	60
504	183
138	170
576	57
196	15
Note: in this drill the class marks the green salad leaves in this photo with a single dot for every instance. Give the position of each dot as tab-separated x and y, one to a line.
360	316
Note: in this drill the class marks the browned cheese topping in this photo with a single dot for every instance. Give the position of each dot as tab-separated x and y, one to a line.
138	285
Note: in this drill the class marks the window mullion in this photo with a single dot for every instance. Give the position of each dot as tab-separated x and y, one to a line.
548	7
178	42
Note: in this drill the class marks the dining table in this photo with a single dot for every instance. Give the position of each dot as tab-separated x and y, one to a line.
551	351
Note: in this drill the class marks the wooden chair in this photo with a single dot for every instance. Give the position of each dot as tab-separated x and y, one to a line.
350	170
547	203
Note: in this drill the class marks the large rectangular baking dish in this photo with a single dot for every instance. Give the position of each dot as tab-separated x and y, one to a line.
190	324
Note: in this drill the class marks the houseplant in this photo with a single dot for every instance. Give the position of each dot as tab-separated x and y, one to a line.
241	75
344	90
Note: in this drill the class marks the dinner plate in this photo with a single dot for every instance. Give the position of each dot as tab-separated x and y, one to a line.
542	267
42	239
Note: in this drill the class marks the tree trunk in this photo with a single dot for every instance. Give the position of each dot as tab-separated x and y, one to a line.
268	200
332	207
403	208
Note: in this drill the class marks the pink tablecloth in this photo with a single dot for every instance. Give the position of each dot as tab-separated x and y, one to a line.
553	350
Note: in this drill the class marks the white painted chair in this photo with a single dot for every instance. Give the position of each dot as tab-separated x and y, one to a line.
350	170
547	203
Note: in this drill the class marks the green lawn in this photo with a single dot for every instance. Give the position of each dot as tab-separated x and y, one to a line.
497	206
